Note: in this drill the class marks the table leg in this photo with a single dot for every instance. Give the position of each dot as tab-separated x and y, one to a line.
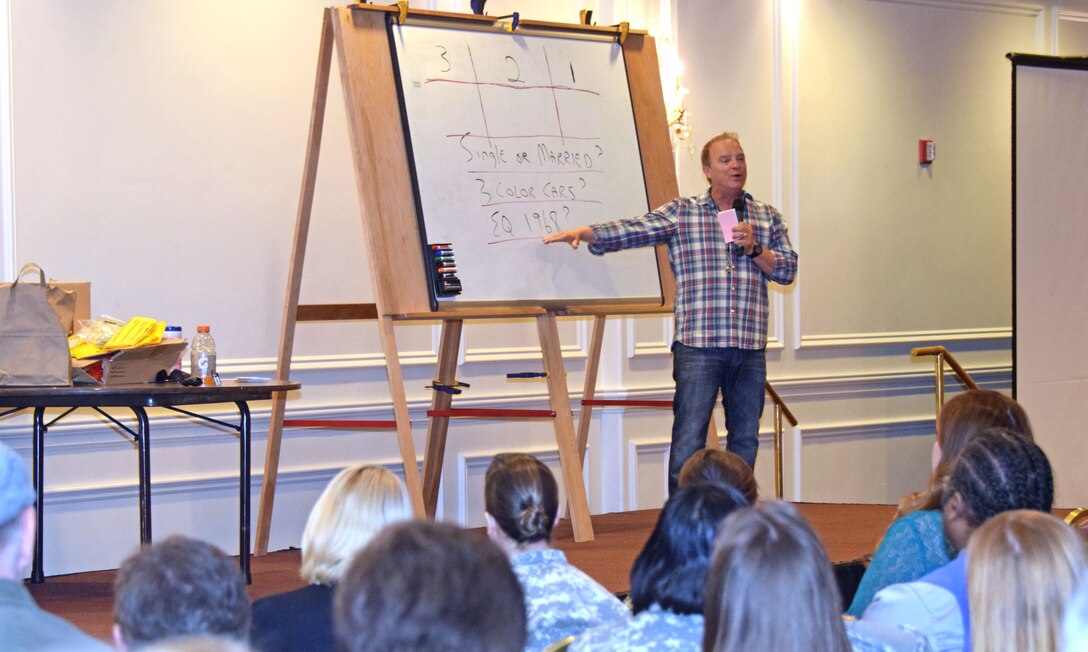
143	444
244	473
37	576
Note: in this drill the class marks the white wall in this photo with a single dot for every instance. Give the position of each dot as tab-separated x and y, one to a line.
157	151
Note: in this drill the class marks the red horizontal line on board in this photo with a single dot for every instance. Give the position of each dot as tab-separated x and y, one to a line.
544	201
526	87
556	136
579	171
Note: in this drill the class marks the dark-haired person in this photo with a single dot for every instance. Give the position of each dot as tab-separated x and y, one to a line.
668	578
178	587
915	543
422	586
522	500
720	467
996	472
721	297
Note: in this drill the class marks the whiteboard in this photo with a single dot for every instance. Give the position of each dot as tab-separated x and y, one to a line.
513	137
1050	236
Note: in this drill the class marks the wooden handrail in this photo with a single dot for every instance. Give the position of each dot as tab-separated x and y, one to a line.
780	410
941	355
777	400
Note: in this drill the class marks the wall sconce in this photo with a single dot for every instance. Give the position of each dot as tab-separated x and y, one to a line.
676	113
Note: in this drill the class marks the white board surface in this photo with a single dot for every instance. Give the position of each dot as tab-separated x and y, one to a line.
515	137
1051	291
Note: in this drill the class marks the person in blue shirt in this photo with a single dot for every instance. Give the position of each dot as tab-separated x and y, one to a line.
915	543
997	471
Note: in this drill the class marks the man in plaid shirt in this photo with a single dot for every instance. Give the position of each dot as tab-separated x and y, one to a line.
721	297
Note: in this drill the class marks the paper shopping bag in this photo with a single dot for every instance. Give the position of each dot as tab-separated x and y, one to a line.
33	334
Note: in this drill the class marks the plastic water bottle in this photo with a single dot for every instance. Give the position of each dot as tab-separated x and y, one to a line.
202	355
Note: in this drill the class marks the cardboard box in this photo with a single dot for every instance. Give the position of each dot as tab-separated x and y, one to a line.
139	365
82	290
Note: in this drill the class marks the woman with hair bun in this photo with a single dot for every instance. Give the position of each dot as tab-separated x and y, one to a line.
522	501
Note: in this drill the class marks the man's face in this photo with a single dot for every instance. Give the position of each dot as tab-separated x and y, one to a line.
727	170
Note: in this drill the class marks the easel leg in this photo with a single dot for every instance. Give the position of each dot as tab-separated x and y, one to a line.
294	283
400	413
589	390
564	427
435	449
712	435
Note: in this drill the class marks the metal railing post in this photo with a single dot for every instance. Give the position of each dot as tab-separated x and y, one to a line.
778	492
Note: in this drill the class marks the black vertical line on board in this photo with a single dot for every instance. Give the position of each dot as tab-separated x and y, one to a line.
417	198
555	100
480	95
1013	237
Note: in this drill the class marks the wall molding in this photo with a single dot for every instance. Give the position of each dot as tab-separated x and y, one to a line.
479	460
1073	16
1024	9
203	483
906	337
85	432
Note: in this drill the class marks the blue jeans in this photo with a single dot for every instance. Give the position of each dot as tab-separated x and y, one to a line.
699	373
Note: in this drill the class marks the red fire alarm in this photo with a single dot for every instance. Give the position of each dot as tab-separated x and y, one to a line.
926	152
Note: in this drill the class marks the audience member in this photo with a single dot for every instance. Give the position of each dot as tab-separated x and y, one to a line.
178	587
522	502
353	508
997	471
914	543
770	586
720	467
24	626
669	575
1022	569
422	586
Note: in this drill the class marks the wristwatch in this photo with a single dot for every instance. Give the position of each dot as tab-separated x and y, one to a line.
756	251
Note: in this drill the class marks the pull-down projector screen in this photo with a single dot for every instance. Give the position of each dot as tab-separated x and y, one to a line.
1050	261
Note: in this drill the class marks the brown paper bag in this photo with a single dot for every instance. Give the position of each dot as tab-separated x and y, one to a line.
34	323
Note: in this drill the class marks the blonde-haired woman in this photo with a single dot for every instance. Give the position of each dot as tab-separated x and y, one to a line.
1022	568
355	506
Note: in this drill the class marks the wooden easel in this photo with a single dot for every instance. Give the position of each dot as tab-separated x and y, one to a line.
380	153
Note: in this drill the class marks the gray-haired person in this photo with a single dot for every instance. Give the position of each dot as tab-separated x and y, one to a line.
24	626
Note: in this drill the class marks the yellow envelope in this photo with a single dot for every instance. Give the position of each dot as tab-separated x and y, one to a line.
139	331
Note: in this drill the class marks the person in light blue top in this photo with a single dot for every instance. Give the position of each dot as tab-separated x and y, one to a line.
669	576
915	543
522	502
997	471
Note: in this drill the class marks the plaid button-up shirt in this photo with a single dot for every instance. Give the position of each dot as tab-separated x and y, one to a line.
721	295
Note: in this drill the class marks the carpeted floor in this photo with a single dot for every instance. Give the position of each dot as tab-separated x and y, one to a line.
847	531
